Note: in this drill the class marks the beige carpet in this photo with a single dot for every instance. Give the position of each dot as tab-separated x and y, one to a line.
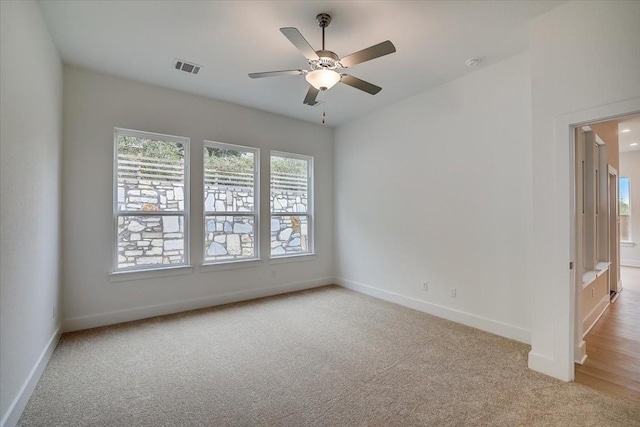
327	357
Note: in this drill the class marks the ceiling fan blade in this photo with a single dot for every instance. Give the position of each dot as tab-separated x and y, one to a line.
275	74
299	42
310	99
359	84
372	52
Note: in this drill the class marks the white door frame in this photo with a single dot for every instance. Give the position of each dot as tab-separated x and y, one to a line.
565	136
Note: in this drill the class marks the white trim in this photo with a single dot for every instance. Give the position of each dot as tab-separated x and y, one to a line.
537	361
127	275
559	358
230	265
595	313
186	143
16	408
581	352
137	313
310	214
630	263
549	366
475	321
292	258
616	294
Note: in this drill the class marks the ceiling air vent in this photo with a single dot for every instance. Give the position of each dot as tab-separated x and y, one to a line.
187	67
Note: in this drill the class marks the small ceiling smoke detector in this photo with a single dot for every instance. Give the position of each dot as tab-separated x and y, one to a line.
472	62
188	67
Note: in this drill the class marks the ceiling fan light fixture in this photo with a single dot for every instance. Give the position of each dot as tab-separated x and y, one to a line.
323	79
323	63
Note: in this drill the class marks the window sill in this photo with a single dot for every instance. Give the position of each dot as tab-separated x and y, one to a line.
124	276
627	244
292	258
230	265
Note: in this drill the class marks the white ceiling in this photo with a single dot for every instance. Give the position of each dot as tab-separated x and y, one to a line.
632	136
229	39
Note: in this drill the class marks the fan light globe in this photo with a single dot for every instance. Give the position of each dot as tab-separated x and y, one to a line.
322	79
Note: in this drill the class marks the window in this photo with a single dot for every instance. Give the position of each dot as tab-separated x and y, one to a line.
291	204
151	200
625	210
230	202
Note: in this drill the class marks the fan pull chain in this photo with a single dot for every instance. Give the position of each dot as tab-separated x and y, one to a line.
324	116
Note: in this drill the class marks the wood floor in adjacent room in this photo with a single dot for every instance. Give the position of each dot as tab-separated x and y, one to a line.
613	345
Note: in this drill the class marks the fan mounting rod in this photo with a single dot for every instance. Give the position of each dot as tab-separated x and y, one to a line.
323	19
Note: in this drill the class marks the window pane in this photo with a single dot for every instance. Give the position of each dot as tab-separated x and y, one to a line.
229	237
625	228
289	234
150	174
289	185
624	197
228	180
145	241
625	210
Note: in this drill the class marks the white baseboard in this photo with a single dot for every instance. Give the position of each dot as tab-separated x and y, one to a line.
629	263
596	313
128	315
549	366
479	322
20	402
581	353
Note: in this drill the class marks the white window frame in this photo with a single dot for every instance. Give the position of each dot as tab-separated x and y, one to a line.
256	204
116	213
310	205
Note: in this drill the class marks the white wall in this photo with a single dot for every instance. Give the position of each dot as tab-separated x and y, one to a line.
438	188
30	141
630	168
585	66
93	105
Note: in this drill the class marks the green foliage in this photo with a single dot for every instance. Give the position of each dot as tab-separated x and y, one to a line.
149	148
239	161
287	165
218	159
624	207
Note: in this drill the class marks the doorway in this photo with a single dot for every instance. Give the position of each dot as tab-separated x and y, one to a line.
607	279
615	285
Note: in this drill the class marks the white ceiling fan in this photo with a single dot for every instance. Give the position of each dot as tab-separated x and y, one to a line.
325	67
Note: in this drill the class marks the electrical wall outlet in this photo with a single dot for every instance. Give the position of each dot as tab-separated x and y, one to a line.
452	292
54	311
425	286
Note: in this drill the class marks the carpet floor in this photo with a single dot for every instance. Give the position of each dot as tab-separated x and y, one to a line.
323	357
